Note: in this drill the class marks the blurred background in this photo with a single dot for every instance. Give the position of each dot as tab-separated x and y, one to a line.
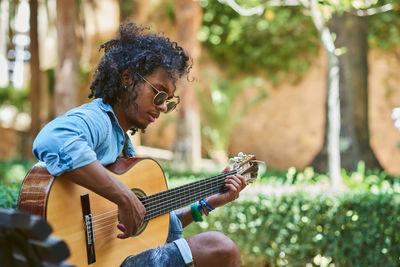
307	86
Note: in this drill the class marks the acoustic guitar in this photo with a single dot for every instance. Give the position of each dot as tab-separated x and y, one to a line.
87	222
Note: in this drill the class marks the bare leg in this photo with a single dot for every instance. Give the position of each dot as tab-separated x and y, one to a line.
213	249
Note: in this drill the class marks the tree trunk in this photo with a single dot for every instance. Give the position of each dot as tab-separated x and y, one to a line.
34	93
188	16
141	11
65	96
351	33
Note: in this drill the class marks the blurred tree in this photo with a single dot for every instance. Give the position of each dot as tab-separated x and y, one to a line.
279	45
188	147
356	135
34	93
65	96
353	27
351	36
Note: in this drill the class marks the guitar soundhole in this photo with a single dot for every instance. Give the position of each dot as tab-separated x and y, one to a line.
140	193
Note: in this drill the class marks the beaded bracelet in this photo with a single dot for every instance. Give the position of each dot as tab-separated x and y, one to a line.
196	213
204	203
203	209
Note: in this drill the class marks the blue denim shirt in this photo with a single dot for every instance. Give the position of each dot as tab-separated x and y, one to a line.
85	134
81	136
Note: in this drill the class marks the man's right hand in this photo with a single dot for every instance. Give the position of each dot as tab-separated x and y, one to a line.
96	178
131	213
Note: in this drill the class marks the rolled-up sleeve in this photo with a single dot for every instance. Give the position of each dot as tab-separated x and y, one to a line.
64	144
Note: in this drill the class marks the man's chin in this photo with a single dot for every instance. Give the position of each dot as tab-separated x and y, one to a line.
140	126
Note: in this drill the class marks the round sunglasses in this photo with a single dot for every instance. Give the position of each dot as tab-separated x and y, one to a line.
161	97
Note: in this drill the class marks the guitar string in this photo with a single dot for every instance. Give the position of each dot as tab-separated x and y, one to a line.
97	234
214	186
151	198
186	197
156	208
111	225
109	214
161	206
102	214
95	229
148	200
214	180
106	221
163	198
155	197
113	228
154	201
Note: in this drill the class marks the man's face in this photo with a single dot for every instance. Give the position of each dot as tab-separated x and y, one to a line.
146	111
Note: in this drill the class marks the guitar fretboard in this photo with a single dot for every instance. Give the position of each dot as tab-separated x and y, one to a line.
172	199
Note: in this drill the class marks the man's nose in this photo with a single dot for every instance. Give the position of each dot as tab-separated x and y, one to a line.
162	107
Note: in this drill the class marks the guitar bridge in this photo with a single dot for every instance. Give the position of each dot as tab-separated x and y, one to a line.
88	226
89	229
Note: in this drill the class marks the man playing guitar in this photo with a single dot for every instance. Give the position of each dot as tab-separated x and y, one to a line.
133	83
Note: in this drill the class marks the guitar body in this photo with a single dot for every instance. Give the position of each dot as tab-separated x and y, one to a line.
58	200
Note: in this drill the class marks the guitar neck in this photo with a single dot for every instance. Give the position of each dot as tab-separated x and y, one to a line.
169	200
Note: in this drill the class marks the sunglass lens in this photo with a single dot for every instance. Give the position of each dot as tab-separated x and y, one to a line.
171	106
160	98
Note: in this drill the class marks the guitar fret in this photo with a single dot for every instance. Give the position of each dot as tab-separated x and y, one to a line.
168	194
188	192
194	185
158	206
188	186
186	200
164	210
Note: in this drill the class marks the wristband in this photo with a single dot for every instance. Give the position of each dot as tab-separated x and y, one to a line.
195	213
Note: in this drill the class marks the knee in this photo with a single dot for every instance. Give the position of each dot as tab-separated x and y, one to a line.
226	249
220	248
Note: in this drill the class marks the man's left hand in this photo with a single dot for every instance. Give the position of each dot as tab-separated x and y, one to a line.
235	184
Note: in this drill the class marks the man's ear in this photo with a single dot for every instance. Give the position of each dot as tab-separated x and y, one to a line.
126	77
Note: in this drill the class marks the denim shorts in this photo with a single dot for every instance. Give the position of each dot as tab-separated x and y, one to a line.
175	253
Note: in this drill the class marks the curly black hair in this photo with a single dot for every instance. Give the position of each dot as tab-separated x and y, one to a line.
142	53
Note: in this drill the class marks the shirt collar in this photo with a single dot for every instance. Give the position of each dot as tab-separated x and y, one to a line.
108	109
104	106
128	149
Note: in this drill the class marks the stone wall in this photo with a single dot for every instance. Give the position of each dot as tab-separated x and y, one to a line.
384	95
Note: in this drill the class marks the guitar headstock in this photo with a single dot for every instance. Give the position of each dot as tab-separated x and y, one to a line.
246	165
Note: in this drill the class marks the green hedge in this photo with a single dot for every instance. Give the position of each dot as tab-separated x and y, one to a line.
9	195
354	229
12	173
